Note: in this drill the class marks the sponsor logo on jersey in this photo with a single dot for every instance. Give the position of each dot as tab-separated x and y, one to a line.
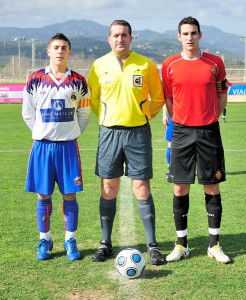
58	105
137	80
58	112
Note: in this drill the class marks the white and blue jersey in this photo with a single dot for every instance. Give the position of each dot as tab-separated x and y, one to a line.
56	111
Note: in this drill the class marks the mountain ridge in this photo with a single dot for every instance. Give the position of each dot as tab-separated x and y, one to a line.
82	31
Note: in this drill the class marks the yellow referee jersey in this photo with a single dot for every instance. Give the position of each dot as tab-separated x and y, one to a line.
125	95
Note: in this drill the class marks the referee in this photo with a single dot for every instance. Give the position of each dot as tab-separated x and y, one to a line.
126	92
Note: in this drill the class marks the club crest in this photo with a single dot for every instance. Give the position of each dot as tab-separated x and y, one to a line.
213	70
218	175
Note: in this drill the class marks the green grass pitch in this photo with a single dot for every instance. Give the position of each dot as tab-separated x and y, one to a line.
198	277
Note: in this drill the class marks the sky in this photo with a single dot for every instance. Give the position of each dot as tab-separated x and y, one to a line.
156	15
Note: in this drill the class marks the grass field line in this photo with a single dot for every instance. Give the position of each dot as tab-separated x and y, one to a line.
127	233
95	149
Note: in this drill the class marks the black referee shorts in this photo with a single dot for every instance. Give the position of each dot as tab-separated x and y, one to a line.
197	149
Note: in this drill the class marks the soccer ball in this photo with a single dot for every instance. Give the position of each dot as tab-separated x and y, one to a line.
130	263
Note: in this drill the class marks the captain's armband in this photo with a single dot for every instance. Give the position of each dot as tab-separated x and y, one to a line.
224	84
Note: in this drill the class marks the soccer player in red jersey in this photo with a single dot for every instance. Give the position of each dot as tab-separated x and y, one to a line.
196	94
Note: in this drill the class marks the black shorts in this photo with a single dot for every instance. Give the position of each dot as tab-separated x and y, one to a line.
200	149
124	150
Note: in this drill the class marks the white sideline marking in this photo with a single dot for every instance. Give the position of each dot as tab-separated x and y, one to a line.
225	150
127	227
127	233
94	149
28	150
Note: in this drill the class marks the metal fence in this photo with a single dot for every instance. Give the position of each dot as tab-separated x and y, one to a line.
235	75
16	71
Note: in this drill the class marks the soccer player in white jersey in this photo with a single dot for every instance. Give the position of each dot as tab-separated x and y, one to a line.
56	110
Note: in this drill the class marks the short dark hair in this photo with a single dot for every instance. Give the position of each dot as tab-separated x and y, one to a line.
189	20
123	23
59	36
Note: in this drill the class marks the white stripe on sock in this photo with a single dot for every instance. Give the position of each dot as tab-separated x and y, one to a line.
70	235
45	235
214	231
182	233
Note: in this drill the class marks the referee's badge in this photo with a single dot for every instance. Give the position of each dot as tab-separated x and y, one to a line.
137	80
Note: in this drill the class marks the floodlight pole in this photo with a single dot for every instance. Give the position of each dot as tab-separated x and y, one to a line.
33	53
18	40
243	38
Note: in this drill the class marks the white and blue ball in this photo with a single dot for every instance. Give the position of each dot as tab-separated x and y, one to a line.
130	263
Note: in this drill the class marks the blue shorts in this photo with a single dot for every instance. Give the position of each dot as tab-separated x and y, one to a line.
169	130
52	162
125	151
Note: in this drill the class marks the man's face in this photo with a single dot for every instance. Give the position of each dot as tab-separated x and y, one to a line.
189	37
120	40
59	52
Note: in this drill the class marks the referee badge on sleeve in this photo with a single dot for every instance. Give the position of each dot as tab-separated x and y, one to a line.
137	80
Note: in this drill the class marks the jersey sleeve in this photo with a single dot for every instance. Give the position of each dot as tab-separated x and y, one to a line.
157	99
167	85
83	113
221	81
94	87
28	107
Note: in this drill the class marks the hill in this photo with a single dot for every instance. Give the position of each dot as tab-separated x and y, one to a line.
89	36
